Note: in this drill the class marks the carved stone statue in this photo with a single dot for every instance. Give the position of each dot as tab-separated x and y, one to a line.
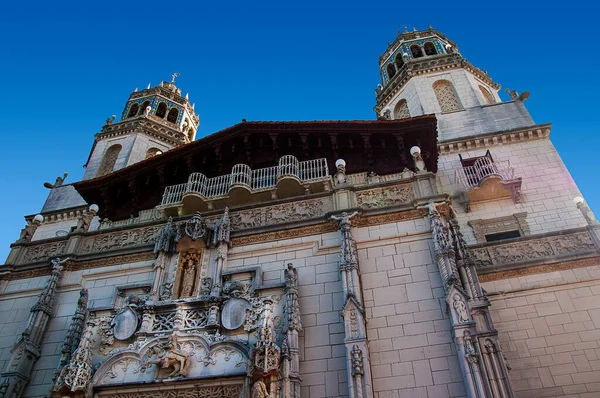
169	356
188	279
461	309
259	390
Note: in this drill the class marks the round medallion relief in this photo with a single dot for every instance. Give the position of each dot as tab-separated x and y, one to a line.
233	314
125	324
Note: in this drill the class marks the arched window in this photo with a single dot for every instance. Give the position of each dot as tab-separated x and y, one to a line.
401	110
416	51
173	113
430	49
489	98
152	152
391	71
109	160
143	107
162	110
133	109
191	133
446	96
398	61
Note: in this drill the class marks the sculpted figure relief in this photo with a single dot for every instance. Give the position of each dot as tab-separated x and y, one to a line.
259	390
169	356
461	309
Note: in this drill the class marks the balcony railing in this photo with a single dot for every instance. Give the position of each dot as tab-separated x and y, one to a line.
471	176
242	176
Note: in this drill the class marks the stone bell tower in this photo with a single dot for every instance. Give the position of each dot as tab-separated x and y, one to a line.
422	72
154	121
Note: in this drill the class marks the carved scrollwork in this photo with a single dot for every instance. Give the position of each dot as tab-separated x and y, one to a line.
120	240
42	252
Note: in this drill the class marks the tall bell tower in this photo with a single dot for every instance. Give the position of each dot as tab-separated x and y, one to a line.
422	72
153	121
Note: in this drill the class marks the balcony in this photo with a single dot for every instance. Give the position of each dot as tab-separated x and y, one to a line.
488	180
290	178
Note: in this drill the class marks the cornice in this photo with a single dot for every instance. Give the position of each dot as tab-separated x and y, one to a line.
504	137
407	36
150	126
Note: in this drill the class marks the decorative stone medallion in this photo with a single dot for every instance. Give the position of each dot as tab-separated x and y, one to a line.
233	314
125	324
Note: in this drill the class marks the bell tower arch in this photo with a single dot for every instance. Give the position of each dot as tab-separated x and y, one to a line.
153	121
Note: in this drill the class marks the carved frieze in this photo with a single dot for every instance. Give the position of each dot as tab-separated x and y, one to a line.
193	391
43	252
533	249
279	214
120	240
384	197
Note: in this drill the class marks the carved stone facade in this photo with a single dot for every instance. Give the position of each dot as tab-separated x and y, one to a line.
367	280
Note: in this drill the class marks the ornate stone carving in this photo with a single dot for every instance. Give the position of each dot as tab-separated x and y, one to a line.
233	314
259	390
195	228
120	240
169	356
283	213
292	307
77	375
462	315
42	252
284	234
30	228
470	352
196	391
187	274
533	249
384	197
126	322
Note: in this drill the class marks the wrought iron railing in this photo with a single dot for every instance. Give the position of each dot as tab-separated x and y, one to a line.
471	176
241	175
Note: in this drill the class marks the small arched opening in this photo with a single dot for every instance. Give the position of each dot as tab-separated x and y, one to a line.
398	61
109	160
391	70
446	96
489	98
161	111
133	109
430	48
152	152
401	110
416	51
143	107
173	114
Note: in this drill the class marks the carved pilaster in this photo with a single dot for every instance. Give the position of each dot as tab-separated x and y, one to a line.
472	326
74	379
360	382
74	334
164	248
293	324
27	348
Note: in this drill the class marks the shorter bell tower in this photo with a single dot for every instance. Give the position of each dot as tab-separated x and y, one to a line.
153	121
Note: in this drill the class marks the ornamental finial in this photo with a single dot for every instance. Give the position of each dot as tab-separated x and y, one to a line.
174	76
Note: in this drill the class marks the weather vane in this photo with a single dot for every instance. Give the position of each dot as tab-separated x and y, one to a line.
174	76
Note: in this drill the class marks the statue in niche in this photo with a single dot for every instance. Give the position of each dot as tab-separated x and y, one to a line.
188	279
461	309
259	390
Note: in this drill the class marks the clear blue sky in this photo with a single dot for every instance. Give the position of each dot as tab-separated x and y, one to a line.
66	67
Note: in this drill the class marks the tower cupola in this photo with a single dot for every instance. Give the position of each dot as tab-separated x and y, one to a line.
422	72
153	121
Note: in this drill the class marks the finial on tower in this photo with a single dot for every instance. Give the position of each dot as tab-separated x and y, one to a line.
174	76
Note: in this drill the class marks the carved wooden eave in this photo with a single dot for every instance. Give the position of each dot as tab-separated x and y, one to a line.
534	251
487	140
426	65
261	144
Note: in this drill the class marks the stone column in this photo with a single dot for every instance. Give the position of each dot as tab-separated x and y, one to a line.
472	326
357	350
27	349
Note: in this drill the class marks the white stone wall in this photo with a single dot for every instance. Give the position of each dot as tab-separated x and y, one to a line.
549	326
49	230
547	188
18	296
140	147
93	164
